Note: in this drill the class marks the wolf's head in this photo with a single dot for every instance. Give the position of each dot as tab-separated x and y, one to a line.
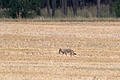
74	54
60	50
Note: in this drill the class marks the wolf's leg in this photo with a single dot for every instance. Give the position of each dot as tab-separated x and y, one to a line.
65	53
71	54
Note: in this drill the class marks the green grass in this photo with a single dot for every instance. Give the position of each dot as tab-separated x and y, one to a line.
67	19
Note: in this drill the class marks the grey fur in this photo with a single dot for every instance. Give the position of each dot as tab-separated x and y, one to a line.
66	51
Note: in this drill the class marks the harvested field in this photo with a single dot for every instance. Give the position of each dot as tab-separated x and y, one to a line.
29	50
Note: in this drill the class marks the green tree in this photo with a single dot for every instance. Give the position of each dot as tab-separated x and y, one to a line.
19	8
116	7
4	3
15	7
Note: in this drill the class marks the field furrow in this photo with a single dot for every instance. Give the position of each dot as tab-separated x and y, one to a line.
29	51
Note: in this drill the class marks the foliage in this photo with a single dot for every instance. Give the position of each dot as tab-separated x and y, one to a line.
28	8
117	8
19	8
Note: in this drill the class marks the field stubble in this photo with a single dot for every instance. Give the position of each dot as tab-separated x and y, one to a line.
29	51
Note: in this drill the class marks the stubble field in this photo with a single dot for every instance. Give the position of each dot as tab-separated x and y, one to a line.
29	50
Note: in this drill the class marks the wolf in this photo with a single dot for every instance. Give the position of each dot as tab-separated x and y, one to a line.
67	51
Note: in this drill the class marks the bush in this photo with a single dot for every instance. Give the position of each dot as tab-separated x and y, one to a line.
117	8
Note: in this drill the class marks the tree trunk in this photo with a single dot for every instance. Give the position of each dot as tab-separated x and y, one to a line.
110	7
60	3
75	6
53	7
64	7
38	11
48	7
98	8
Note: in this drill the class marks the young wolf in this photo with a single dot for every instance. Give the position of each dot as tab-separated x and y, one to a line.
66	51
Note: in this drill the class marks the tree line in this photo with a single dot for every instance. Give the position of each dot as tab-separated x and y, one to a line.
24	8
